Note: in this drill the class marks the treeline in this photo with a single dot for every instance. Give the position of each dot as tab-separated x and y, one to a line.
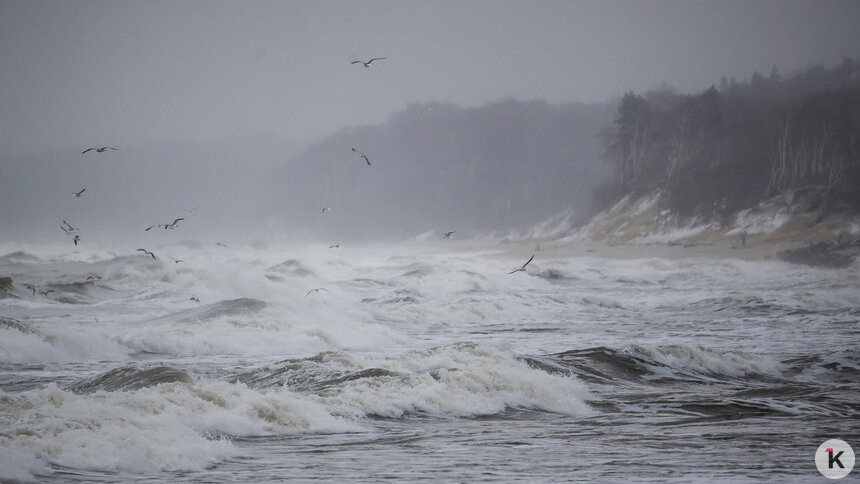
729	147
499	167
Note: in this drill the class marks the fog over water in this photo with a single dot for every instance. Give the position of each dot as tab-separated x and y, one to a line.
213	104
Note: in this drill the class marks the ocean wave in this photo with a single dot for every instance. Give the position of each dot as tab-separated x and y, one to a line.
703	360
131	378
638	362
416	270
555	275
7	288
291	267
19	257
242	307
34	344
14	324
176	426
839	366
461	380
308	374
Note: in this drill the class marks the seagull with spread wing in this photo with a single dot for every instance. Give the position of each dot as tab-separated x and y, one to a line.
99	150
172	225
78	195
362	155
147	253
523	268
367	64
68	228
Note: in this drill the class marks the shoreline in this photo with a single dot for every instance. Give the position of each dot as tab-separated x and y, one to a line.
560	248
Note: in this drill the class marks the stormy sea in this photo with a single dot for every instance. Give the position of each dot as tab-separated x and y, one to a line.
420	361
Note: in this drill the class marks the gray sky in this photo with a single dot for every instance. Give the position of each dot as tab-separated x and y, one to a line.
75	74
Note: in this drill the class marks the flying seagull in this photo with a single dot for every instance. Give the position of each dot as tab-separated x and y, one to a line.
76	240
70	228
449	235
172	225
317	290
191	210
362	155
147	253
78	195
335	246
99	150
326	209
523	268
367	64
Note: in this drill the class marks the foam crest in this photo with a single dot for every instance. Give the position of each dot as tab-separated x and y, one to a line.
457	380
698	359
251	328
29	344
168	427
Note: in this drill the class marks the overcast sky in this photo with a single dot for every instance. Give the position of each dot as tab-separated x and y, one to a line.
74	74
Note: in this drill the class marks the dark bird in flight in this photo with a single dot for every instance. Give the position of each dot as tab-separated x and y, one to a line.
191	210
523	268
317	290
222	244
46	292
449	235
335	246
99	150
367	64
195	299
70	229
326	209
78	195
147	253
172	225
28	286
362	155
76	240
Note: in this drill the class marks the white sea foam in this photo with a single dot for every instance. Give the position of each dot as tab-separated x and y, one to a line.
169	427
188	426
390	337
458	380
58	344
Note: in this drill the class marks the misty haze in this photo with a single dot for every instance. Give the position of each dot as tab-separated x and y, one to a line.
428	240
